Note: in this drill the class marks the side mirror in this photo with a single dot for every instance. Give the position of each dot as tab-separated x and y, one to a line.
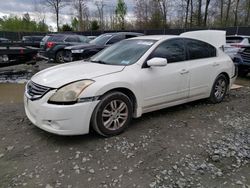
157	62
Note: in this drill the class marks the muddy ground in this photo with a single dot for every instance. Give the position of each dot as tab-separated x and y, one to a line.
191	145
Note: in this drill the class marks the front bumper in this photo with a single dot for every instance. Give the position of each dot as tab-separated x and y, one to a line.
60	119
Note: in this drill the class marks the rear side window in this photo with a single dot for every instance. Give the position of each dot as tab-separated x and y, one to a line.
197	49
130	36
72	39
173	50
234	40
83	39
45	38
56	38
116	39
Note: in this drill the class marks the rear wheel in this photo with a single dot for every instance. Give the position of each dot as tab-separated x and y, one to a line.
59	57
219	89
112	115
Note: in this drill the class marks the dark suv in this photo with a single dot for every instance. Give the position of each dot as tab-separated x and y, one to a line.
78	52
52	45
242	59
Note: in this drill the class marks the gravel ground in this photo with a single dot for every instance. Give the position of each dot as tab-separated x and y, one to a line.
191	145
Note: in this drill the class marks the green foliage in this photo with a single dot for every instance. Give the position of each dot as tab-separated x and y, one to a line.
14	23
66	27
94	25
75	24
121	11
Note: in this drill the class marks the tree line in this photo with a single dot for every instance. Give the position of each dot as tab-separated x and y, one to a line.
146	14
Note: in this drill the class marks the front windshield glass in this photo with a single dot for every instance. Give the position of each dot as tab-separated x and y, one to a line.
123	53
101	40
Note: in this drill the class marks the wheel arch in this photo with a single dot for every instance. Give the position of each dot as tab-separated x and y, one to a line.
127	92
227	77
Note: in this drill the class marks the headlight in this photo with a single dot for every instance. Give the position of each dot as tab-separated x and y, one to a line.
77	51
70	92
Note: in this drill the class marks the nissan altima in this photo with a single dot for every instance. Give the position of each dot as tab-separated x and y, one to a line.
128	79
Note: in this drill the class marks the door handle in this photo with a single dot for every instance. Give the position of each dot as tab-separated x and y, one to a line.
184	71
215	64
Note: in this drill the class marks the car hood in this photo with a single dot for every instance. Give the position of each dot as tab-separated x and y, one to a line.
60	75
77	47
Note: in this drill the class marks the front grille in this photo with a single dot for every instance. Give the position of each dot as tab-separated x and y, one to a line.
36	91
245	55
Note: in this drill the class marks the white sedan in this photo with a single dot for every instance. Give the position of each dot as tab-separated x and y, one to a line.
122	82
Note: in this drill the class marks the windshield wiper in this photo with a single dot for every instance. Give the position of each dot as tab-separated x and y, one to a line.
100	62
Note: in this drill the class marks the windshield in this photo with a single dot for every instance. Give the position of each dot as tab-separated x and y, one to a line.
101	40
123	53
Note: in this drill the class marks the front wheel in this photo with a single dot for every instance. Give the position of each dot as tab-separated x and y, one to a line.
112	115
219	89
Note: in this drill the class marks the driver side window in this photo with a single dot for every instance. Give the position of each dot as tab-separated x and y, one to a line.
173	50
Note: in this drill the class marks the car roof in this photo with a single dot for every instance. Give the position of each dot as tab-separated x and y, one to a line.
125	33
155	37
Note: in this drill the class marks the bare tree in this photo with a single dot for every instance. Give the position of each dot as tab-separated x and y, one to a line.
221	11
100	8
199	15
236	13
187	10
39	10
56	6
206	12
164	4
142	13
247	12
228	10
82	13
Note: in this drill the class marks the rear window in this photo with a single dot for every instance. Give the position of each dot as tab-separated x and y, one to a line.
56	38
45	38
234	39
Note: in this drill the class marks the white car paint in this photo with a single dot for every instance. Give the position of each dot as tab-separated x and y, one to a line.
215	37
154	88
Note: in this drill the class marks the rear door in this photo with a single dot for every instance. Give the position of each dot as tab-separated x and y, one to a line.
202	64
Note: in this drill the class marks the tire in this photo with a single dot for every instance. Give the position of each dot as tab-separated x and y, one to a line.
59	57
112	114
219	89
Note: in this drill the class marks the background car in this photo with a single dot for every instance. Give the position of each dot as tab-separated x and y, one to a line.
4	40
91	37
242	60
129	78
234	43
73	53
52	45
32	40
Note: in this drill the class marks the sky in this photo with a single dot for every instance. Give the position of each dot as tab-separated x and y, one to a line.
36	11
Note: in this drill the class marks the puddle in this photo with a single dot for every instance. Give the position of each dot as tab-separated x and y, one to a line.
11	93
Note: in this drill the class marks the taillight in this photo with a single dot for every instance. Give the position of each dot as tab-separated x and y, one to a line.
50	44
237	45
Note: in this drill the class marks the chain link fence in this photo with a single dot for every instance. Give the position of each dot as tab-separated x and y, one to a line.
17	36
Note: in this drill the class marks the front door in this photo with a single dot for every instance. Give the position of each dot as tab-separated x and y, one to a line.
169	83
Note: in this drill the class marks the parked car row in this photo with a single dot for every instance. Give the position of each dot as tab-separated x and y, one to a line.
62	48
66	48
